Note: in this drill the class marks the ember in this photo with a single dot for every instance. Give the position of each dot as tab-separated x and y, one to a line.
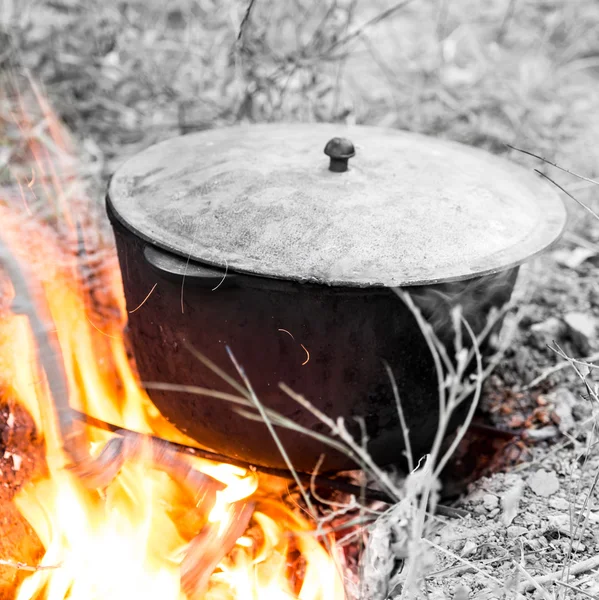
159	526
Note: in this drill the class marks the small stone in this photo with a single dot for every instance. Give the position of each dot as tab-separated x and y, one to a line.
583	411
544	433
544	483
490	501
523	361
552	327
582	329
578	546
559	523
573	258
469	548
461	592
514	531
564	401
494	513
476	496
559	503
534	544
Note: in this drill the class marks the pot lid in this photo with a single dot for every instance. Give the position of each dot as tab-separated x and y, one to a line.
407	209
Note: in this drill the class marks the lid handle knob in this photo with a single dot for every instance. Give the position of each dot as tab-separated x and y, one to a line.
340	150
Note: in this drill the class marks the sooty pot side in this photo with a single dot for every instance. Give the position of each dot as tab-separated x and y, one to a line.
348	334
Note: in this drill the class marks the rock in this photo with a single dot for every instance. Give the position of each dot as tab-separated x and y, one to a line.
544	433
564	402
544	483
583	411
559	503
534	544
552	327
476	496
514	531
546	332
469	548
573	258
461	592
524	363
582	328
490	501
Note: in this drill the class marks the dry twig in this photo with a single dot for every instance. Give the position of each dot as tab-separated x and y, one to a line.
19	566
562	365
577	569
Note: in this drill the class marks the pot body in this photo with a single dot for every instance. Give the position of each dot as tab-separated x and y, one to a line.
328	344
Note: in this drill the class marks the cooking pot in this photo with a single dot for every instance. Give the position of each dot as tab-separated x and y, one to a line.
251	238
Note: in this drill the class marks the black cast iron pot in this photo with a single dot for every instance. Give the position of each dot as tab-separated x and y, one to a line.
251	241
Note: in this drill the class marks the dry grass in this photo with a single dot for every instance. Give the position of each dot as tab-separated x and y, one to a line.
124	73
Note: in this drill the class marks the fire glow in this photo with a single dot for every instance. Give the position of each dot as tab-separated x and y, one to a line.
128	539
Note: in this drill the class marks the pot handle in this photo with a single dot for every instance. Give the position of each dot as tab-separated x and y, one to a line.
175	268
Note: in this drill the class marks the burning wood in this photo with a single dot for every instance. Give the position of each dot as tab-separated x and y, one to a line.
208	548
114	527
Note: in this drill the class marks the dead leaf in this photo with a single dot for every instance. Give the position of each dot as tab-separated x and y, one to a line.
510	502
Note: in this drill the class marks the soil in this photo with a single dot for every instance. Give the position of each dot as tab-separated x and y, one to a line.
539	512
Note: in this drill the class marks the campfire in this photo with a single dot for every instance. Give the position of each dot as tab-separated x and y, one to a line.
152	522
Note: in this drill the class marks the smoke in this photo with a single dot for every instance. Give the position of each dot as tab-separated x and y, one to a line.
476	297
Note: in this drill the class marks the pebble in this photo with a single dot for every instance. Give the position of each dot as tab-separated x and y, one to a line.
544	483
573	258
476	496
461	592
469	548
544	433
551	327
534	544
524	363
582	329
559	503
514	531
564	401
490	501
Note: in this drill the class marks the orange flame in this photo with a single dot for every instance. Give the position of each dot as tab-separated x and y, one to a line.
128	540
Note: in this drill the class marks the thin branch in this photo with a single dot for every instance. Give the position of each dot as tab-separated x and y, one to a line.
370	23
562	365
590	210
581	567
321	480
272	432
19	566
507	18
30	304
246	18
402	419
588	179
473	404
